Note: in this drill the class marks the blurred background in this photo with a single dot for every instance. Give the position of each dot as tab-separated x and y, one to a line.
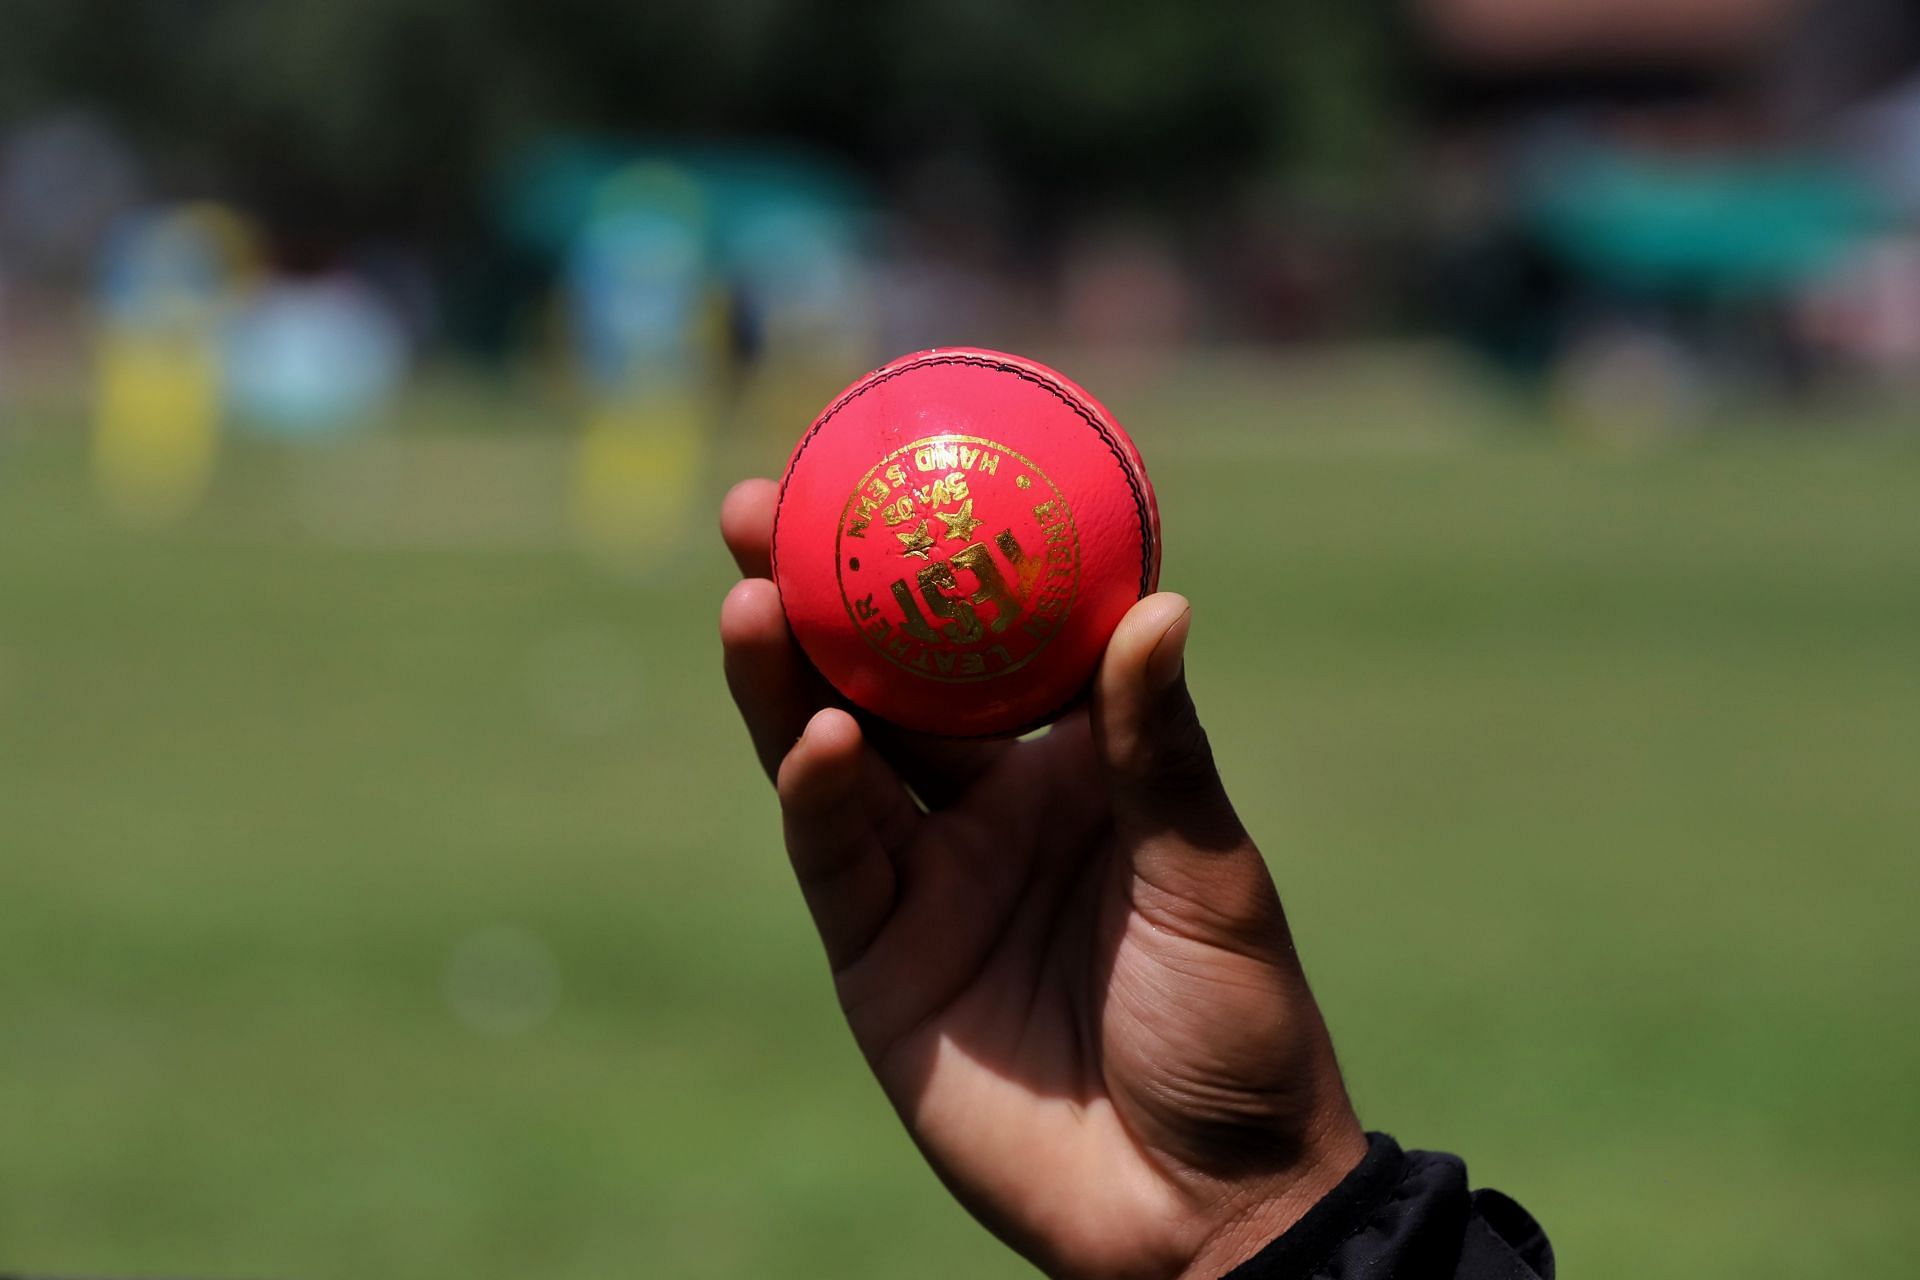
1530	385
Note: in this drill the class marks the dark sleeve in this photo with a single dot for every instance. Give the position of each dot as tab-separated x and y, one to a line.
1406	1215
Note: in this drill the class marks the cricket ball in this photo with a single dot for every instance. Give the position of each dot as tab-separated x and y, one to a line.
957	536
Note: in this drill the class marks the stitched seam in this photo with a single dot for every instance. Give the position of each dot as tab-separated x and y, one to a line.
1026	375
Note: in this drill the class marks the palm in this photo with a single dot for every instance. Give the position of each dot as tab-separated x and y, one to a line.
1063	957
1044	1017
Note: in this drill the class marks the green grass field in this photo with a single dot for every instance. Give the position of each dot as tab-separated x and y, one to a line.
1592	780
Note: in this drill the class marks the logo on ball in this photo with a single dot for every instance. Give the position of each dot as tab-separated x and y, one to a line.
958	558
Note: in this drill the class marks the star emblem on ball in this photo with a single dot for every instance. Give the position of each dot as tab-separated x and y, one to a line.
960	524
918	542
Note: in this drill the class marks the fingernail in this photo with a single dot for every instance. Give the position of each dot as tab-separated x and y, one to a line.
1169	654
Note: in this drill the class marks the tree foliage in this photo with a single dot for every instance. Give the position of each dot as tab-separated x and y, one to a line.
390	113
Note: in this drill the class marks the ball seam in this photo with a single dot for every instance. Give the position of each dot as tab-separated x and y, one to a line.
1127	467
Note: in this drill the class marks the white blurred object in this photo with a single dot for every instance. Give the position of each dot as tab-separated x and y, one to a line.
311	357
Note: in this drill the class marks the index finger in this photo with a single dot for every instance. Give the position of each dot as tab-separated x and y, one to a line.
776	687
746	523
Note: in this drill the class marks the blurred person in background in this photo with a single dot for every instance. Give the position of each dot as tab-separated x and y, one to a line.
1645	195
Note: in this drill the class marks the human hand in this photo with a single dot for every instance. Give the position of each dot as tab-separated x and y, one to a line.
1067	964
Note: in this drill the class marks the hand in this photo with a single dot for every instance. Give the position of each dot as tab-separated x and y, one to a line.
1067	963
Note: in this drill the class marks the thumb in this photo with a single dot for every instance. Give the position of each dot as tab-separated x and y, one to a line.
1194	868
1159	767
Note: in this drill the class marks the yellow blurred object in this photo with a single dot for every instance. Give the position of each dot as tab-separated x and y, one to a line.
635	475
156	422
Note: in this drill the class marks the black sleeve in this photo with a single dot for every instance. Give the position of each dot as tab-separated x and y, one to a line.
1406	1215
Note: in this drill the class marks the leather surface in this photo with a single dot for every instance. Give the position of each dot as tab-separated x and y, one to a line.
957	536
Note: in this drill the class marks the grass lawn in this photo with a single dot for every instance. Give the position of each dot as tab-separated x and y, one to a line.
385	888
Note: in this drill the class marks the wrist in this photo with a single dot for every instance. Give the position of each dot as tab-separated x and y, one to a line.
1256	1215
